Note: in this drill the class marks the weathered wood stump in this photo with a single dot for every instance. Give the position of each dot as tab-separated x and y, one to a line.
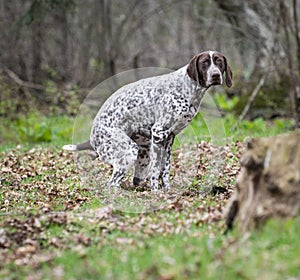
268	184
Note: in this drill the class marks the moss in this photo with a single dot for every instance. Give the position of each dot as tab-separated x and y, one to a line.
271	101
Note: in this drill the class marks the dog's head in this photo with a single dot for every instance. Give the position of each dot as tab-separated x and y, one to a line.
207	69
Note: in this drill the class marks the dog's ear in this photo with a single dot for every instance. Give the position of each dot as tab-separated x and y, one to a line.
193	70
228	74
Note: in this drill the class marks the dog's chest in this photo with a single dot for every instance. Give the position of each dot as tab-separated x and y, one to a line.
184	120
189	108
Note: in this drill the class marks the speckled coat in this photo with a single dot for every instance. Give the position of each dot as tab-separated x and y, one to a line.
138	123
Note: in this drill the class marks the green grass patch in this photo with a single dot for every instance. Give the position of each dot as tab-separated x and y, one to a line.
35	128
270	253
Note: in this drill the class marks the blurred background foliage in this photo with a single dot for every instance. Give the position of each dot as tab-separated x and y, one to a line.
53	52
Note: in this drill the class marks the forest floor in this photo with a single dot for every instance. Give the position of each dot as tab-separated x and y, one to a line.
53	225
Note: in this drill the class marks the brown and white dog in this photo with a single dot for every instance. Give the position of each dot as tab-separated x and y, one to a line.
138	123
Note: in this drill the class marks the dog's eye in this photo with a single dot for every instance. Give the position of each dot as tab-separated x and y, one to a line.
205	63
219	62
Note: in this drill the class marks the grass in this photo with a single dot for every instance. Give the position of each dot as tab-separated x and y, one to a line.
161	257
53	227
263	256
203	254
271	253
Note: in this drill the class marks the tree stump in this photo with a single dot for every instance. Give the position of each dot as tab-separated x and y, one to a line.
268	184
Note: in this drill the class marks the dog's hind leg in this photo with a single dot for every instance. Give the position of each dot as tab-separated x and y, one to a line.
122	163
117	149
117	176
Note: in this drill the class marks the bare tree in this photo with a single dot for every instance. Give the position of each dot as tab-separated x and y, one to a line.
291	30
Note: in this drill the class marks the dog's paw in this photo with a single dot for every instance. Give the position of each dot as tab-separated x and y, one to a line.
154	186
166	186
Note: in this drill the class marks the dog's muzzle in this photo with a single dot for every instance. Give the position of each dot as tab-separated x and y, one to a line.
216	79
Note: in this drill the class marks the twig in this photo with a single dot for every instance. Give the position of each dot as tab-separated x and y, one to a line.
253	96
20	82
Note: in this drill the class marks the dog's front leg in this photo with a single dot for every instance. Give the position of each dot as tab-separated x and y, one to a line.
158	154
165	174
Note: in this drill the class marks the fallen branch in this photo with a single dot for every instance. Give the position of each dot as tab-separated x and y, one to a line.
253	96
20	82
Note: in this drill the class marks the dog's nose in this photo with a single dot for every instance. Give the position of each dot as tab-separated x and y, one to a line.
215	76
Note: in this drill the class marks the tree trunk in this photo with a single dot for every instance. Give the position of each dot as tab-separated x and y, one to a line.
297	105
105	48
268	184
36	48
293	65
185	44
64	44
251	26
297	89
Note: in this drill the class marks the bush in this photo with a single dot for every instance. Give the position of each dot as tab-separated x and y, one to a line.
36	128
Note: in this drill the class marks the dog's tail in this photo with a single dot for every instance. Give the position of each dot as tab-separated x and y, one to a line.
79	147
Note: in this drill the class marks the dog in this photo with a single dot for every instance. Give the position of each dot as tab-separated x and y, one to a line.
137	124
